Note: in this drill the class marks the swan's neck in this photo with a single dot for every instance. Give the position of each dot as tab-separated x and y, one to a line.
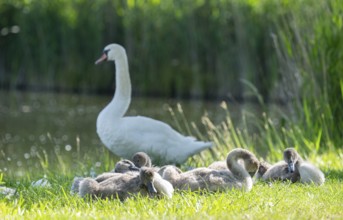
122	96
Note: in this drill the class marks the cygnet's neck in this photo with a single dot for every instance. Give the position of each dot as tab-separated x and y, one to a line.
238	170
299	161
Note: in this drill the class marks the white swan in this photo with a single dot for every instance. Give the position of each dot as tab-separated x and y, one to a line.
125	136
124	185
236	176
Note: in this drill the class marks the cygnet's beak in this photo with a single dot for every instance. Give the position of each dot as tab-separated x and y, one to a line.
291	167
102	58
151	188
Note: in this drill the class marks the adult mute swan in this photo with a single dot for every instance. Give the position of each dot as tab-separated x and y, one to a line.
123	185
236	176
125	136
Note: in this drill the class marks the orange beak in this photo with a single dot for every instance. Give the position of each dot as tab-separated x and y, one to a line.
102	58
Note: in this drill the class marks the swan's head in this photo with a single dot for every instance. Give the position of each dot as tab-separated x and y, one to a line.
125	166
147	178
291	157
141	159
111	52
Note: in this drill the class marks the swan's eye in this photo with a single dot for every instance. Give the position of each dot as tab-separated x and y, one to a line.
106	52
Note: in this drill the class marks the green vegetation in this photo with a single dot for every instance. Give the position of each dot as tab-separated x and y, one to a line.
279	201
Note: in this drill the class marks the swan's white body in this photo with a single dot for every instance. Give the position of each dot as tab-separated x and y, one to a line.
125	136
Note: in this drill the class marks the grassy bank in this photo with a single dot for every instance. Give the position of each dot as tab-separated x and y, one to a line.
265	201
279	201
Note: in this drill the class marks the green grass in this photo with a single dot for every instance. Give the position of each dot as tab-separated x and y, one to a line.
276	201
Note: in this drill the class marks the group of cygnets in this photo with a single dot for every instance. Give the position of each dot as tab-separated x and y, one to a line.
138	176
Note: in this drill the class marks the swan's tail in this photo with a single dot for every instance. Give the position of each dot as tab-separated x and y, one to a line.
179	154
197	147
201	145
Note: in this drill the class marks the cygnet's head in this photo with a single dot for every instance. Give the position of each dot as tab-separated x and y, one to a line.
291	157
250	161
264	166
251	165
141	159
125	166
111	52
147	178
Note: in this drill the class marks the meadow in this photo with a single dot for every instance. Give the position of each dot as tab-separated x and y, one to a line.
278	201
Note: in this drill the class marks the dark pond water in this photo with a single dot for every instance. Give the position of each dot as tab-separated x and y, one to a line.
39	129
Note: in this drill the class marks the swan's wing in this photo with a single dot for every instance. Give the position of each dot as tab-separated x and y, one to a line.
156	138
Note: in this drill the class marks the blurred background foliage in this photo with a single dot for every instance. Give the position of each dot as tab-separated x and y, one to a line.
286	51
